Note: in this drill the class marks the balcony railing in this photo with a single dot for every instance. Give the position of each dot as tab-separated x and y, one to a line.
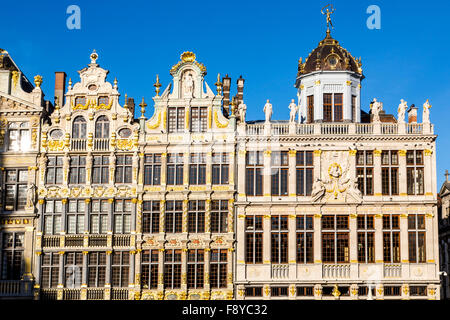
392	271
78	144
280	271
336	271
16	288
414	128
101	144
71	294
334	128
95	294
389	128
280	129
98	241
255	130
48	294
74	241
364	128
51	241
119	294
121	240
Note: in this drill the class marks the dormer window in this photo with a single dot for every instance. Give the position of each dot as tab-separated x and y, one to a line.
19	137
332	107
79	128
80	100
103	100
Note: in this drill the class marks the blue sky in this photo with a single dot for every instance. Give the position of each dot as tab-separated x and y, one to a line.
260	40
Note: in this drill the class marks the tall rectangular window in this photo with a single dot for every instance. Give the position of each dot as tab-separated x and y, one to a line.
172	269
416	238
310	107
175	169
149	265
75	216
196	216
120	267
52	216
122	216
279	172
152	169
197	168
195	268
50	270
12	255
19	137
55	170
389	173
77	170
220	168
414	172
354	117
175	119
279	239
98	216
366	239
332	107
15	189
254	173
304	168
327	107
96	269
100	170
199	118
218	268
364	172
150	216
124	168
254	239
335	239
305	239
338	107
174	216
391	238
219	216
73	265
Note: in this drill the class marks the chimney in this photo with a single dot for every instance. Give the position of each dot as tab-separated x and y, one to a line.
412	114
240	89
60	86
226	83
130	105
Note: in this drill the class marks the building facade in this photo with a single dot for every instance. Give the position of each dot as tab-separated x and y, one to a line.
444	236
198	203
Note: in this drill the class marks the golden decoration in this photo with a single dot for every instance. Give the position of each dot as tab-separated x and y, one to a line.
38	81
80	106
428	152
402	153
124	144
218	124
56	145
15	78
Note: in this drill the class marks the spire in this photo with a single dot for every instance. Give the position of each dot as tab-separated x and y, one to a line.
157	85
446	176
143	105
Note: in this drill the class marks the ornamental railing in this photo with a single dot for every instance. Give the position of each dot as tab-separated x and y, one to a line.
280	271
392	271
16	288
101	144
78	144
119	294
336	271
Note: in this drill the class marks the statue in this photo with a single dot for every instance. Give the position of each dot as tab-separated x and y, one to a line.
188	85
293	111
31	195
376	108
43	161
328	14
242	110
318	190
268	110
426	112
401	111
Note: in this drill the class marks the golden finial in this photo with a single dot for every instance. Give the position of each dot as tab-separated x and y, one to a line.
38	81
218	84
157	85
70	81
126	101
142	105
328	14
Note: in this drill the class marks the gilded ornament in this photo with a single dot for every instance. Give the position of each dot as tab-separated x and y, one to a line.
216	121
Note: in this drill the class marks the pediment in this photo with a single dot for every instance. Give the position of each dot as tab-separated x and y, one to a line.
9	103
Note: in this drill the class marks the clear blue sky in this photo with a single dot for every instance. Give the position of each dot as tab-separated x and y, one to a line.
262	40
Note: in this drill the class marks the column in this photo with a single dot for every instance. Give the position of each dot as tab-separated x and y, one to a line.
292	188
133	216
163	169
185	216
86	215
353	239
230	265
63	217
428	172
404	255
379	237
61	270
110	215
431	255
162	213
292	246
267	174
318	237
88	168
161	270
358	103
141	169
402	173
347	112
317	164
231	165
207	259
241	172
37	270
84	273
318	102
41	215
132	269
186	169
240	244
108	270
266	239
184	269
208	169
377	172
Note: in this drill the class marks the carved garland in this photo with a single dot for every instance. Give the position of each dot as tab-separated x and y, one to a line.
218	124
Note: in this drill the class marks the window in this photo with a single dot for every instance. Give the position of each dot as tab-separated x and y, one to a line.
52	216
195	269
150	217
103	100
364	291
279	172
414	172
19	136
366	239
416	238
172	269
335	239
253	292
418	291
50	270
392	291
254	239
79	128
254	173
176	119
102	127
99	216
73	264
279	291
75	216
219	216
124	133
120	266
304	172
279	239
77	170
305	239
175	169
354	117
220	168
55	170
80	100
218	268
152	169
389	173
391	238
56	134
197	168
96	269
174	216
199	117
12	255
100	170
330	100
305	291
338	107
15	189
150	265
364	171
196	216
310	107
327	107
122	216
124	168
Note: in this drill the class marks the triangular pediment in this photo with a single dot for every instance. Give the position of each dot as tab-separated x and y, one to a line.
12	104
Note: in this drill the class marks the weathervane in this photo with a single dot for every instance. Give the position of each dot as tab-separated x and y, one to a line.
328	14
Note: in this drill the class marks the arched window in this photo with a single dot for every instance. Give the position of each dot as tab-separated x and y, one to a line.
79	128
102	127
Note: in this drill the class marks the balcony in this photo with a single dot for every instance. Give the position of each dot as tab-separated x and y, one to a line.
78	144
74	241
51	241
280	271
16	289
121	241
336	271
95	294
392	271
119	294
101	144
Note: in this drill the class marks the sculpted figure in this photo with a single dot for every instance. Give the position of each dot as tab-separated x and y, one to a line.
188	85
402	111
31	195
318	190
242	110
376	108
268	110
293	111
426	112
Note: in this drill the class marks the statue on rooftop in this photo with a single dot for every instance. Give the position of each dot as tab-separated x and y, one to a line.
293	111
268	110
402	111
426	112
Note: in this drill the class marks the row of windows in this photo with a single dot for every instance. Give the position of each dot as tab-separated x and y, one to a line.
332	107
335	238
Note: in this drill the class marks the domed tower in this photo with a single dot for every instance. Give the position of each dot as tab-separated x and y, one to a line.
329	83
